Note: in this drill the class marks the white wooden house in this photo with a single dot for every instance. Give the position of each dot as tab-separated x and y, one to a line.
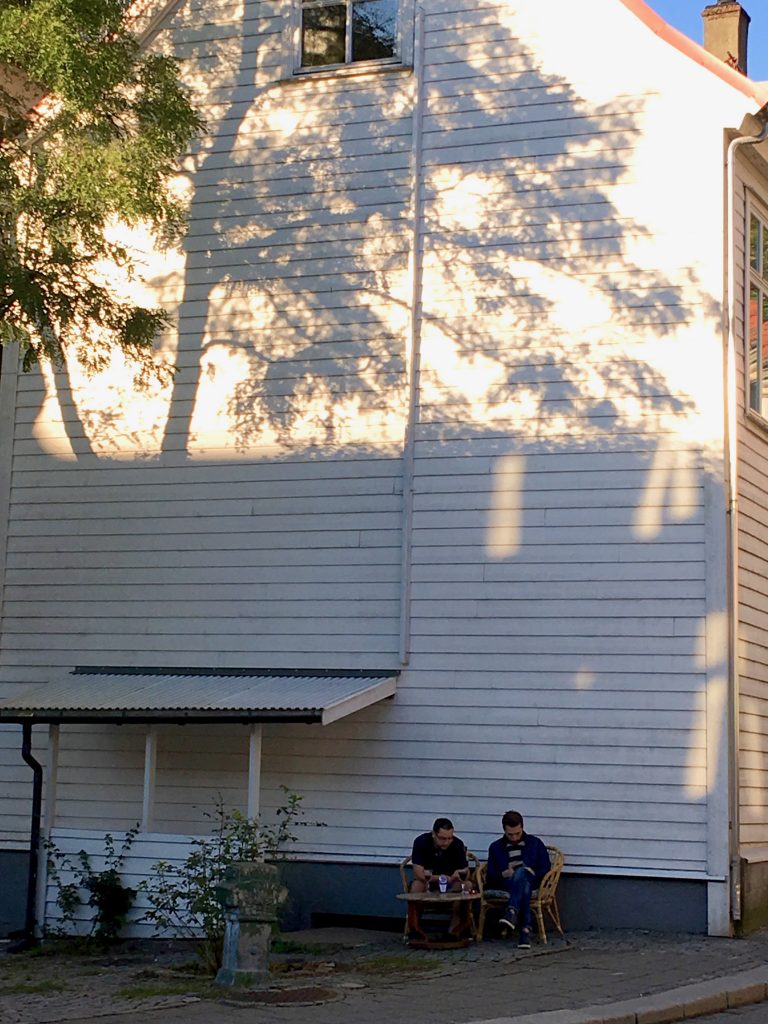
457	500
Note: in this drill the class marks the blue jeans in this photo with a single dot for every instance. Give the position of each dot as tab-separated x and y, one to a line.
519	888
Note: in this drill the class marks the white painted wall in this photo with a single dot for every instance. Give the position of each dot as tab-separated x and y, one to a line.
568	447
751	186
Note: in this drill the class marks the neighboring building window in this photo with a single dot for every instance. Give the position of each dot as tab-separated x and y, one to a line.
347	31
758	314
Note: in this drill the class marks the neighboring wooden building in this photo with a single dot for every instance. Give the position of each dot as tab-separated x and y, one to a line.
453	409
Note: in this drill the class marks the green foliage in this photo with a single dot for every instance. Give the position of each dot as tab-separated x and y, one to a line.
183	897
106	893
100	149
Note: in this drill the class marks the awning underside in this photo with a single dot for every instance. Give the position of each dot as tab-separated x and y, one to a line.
189	695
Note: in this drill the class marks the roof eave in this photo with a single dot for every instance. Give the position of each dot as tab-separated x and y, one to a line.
757	91
169	716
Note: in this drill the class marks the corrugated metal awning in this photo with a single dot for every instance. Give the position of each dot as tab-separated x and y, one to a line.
198	695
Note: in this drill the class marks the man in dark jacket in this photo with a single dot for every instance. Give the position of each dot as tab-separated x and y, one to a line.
517	862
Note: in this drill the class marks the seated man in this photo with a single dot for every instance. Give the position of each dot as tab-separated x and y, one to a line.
517	862
437	853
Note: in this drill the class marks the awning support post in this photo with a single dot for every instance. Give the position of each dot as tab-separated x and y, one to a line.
254	771
150	762
49	820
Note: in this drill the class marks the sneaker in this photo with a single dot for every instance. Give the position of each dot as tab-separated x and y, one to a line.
524	942
509	920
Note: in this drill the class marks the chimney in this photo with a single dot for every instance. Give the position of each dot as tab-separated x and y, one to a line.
726	25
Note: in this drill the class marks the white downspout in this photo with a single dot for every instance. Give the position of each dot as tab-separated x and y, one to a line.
414	338
731	426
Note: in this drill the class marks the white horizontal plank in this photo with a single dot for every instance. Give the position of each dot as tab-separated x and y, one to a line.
76	645
339	574
263	563
367	511
207	626
380	591
406	775
279	660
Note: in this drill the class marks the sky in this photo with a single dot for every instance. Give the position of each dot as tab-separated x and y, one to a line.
686	16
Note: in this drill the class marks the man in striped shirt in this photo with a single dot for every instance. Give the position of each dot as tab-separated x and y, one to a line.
517	862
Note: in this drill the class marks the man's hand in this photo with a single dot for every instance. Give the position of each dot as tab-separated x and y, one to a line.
508	873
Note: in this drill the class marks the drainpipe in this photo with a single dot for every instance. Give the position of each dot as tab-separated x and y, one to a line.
731	425
414	339
28	938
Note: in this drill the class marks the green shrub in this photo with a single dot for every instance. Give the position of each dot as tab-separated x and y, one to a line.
183	898
106	893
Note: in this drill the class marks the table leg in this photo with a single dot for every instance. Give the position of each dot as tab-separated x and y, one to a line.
414	921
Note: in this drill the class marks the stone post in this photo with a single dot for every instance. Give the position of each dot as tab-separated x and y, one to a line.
251	895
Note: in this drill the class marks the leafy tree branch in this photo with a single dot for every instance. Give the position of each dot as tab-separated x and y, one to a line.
91	128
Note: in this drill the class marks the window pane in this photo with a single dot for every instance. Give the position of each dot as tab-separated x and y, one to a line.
374	24
754	242
754	308
323	31
764	349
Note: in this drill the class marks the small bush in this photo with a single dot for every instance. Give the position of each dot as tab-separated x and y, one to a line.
110	898
183	898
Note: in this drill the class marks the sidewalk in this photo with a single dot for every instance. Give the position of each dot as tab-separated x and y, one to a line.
349	976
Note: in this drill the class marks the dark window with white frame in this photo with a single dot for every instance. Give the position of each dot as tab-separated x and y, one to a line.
339	32
757	314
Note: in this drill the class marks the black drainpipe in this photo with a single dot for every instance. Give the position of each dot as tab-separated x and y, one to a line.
28	938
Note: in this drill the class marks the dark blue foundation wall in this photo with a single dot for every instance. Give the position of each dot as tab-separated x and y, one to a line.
365	895
14	866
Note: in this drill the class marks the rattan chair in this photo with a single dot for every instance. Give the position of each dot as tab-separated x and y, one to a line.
542	899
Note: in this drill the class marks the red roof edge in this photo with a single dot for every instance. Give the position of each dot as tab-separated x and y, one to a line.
654	21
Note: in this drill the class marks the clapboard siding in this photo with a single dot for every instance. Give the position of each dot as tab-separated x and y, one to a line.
509	626
251	514
753	561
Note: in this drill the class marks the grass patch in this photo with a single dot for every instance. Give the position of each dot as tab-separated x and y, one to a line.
192	988
29	988
397	964
194	967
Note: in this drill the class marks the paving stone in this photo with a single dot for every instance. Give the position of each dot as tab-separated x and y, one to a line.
706	1004
746	995
664	1014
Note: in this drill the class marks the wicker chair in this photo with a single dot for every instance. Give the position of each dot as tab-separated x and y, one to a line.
543	899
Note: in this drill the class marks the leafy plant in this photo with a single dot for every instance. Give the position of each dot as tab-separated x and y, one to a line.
106	892
91	126
183	897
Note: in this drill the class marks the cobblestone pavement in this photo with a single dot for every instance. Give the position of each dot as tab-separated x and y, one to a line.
371	975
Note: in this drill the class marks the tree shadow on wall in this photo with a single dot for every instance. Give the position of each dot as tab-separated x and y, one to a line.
297	258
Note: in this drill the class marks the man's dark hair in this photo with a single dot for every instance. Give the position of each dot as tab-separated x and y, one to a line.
442	823
512	818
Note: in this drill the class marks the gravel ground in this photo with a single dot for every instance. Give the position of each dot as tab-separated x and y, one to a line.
338	976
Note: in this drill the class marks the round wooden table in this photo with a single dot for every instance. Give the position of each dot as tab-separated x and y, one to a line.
418	901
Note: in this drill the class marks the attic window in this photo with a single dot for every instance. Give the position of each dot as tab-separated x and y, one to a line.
758	314
347	32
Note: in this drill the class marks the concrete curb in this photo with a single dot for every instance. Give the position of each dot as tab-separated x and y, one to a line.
676	1004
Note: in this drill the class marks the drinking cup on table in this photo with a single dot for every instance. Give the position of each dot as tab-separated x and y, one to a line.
443	883
428	878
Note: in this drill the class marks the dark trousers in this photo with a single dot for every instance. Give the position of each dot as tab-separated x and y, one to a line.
519	888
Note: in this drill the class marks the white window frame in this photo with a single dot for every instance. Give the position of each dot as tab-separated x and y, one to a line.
755	278
403	55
